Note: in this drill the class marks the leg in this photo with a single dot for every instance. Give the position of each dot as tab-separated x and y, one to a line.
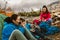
49	21
37	32
29	35
17	35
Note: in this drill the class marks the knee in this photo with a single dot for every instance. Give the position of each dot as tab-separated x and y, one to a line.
16	31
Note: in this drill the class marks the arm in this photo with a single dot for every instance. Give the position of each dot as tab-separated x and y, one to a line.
41	17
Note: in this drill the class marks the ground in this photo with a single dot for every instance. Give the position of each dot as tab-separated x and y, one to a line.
55	36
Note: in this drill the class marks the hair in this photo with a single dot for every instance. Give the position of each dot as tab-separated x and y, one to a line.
14	17
8	20
46	8
27	22
23	20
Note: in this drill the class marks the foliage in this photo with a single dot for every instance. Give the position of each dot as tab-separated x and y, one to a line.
29	14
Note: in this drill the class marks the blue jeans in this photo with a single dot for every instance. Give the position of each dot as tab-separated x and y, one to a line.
49	21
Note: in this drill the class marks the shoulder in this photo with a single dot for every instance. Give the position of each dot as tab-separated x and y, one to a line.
8	26
5	23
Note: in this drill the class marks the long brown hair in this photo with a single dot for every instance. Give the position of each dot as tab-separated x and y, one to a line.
46	8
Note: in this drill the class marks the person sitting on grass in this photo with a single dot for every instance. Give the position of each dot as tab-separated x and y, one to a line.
45	15
12	30
23	26
36	31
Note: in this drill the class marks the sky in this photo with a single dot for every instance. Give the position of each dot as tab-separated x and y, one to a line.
29	1
25	4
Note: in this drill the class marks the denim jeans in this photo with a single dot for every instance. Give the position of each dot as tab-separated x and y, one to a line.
49	21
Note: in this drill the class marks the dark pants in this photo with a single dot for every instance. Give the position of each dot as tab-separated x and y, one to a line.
38	33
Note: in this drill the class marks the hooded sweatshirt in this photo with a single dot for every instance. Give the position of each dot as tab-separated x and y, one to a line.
46	16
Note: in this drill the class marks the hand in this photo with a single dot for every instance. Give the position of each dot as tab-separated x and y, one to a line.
39	19
24	25
32	30
44	20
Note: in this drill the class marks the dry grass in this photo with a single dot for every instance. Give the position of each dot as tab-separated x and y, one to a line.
55	36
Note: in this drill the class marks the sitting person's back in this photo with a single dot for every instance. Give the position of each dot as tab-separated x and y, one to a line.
7	31
7	21
9	28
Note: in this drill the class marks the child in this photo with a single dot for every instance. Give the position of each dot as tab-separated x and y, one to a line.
22	25
45	15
